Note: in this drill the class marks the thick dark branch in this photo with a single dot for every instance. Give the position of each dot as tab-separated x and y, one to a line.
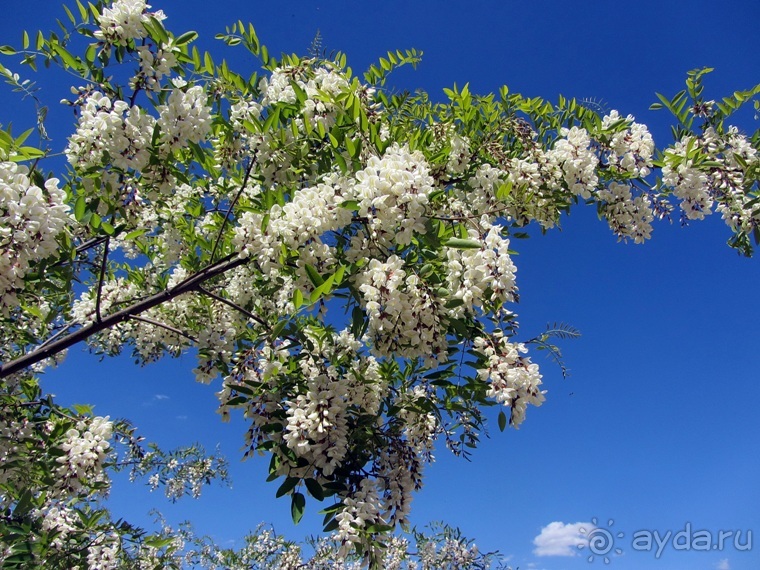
190	284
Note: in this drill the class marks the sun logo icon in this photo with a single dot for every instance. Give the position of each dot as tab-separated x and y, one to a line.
600	541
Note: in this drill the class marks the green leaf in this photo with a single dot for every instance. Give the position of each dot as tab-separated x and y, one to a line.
297	507
351	147
358	323
278	328
454	303
338	275
68	59
24	504
314	275
332	509
297	299
185	38
315	489
378	528
502	420
135	234
339	158
287	486
79	208
28	153
331	526
323	289
83	12
352	205
7	50
70	15
458	243
158	542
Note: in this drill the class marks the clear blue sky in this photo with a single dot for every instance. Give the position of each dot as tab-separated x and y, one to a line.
657	426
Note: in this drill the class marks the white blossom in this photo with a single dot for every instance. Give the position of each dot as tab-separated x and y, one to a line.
513	379
631	149
110	130
186	117
31	219
392	192
154	66
404	316
85	449
577	159
629	218
482	278
123	21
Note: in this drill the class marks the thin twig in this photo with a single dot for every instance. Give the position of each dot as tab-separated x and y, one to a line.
101	278
465	218
163	326
89	244
234	306
232	205
59	333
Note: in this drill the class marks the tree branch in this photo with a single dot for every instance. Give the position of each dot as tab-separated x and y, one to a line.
101	278
232	205
156	323
234	306
225	264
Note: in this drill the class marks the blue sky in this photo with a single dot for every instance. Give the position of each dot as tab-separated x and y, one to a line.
656	428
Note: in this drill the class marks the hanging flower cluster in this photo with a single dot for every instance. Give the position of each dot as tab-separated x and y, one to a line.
85	449
338	257
124	20
31	220
712	169
513	379
109	130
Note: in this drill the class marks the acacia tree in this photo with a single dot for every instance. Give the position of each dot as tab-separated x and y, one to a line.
338	255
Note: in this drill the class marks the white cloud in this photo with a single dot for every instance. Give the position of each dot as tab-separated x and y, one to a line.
723	565
560	539
154	399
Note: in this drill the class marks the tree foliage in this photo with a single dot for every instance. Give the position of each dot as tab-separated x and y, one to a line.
336	255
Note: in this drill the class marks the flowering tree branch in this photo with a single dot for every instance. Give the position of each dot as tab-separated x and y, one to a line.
364	301
86	331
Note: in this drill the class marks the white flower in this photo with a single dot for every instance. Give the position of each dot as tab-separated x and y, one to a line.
85	449
628	217
31	219
154	66
482	278
513	379
577	159
392	192
110	129
459	157
404	315
631	149
186	117
123	21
